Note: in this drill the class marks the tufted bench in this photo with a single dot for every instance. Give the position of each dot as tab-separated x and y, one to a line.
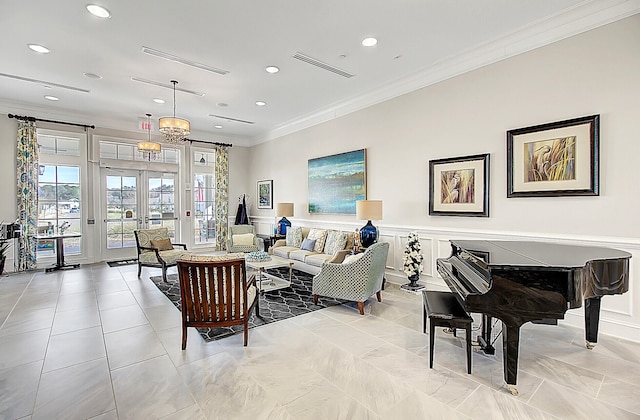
444	310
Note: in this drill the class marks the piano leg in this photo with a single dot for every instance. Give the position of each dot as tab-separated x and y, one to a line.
510	347
485	338
591	320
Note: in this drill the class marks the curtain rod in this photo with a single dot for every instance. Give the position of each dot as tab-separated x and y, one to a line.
215	143
34	119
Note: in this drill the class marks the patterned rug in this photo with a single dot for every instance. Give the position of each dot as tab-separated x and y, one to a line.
275	305
119	263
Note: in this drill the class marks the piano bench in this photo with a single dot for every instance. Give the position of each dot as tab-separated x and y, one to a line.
444	310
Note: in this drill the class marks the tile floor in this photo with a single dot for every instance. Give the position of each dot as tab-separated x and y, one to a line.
99	343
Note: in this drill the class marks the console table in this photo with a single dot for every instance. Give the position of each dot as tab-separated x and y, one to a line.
59	238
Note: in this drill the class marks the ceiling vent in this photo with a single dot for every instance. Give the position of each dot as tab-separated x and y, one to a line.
44	83
176	59
231	119
165	85
320	64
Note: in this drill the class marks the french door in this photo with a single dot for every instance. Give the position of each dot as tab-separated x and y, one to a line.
134	199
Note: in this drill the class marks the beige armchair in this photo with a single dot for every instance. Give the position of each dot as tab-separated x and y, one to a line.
247	241
156	250
355	281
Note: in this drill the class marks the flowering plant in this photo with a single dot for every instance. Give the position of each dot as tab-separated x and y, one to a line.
412	259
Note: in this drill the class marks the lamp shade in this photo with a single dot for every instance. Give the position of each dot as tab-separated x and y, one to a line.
284	209
369	209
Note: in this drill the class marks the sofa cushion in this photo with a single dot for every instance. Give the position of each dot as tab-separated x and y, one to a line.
308	244
317	259
294	236
169	257
320	235
243	239
300	255
336	241
283	251
162	244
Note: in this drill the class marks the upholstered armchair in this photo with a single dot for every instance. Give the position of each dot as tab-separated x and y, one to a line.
215	292
242	238
156	250
355	281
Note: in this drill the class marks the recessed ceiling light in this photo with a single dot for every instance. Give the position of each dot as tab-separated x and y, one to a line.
222	104
272	69
369	42
51	98
217	126
158	100
39	48
261	103
99	11
92	75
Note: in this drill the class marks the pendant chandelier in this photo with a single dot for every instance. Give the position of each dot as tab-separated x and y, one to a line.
174	129
149	149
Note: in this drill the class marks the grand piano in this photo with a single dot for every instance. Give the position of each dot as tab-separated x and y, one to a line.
520	281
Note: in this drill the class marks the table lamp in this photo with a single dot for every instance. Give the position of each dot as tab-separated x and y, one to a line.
368	210
283	210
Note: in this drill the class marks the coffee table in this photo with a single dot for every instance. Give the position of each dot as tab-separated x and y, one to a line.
267	282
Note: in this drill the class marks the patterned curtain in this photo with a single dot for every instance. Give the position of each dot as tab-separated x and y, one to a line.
222	196
27	177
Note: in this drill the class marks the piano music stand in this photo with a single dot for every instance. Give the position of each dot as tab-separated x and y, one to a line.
444	310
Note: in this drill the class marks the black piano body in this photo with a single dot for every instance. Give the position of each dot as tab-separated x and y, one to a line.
522	281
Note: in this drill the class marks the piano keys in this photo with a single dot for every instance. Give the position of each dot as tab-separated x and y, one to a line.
521	281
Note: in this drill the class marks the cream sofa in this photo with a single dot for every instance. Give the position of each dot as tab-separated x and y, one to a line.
330	246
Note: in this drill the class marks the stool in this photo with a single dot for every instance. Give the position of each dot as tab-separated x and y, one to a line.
444	310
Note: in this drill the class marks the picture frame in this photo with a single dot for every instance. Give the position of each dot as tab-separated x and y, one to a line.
554	159
459	186
265	194
336	182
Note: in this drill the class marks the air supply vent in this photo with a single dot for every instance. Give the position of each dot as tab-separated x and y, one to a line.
44	83
231	119
165	85
176	59
320	64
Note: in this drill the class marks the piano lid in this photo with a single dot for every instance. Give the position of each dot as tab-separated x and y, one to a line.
537	254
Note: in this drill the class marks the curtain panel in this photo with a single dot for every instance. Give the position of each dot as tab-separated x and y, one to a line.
27	197
222	196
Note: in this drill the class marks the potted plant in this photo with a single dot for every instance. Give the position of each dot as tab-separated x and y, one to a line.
412	262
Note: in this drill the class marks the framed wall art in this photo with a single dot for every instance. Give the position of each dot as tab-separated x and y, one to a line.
337	181
554	159
265	194
459	186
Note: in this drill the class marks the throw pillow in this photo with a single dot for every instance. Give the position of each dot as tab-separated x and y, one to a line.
352	258
294	236
243	239
162	244
308	244
320	235
336	241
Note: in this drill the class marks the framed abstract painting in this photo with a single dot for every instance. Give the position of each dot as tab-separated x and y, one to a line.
459	186
336	182
554	159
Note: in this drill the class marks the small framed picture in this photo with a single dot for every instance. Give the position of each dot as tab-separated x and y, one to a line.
265	194
459	186
554	159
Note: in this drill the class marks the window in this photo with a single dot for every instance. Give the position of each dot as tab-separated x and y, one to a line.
126	151
204	193
59	206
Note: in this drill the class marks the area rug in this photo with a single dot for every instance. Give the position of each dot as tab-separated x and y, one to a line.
119	263
275	305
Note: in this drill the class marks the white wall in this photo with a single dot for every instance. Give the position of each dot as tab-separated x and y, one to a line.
593	73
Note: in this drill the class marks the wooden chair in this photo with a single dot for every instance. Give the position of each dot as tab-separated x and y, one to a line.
215	292
156	250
